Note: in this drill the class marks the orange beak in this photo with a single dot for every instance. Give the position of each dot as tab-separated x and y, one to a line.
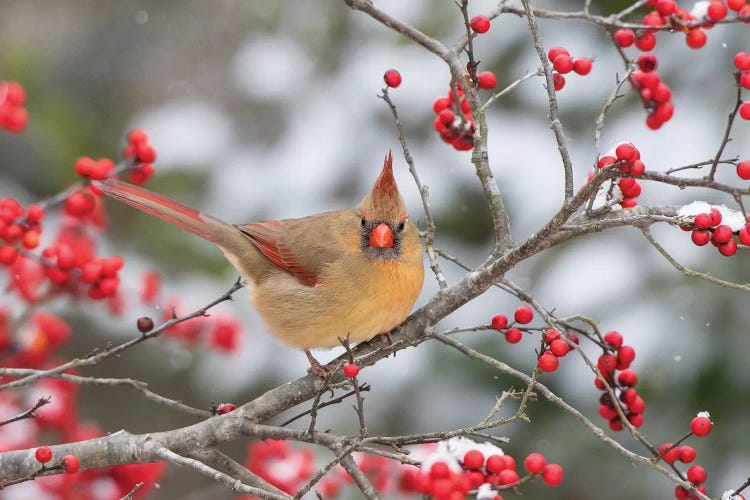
381	236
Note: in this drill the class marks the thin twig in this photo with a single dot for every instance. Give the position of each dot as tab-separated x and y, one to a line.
95	358
424	192
554	114
30	413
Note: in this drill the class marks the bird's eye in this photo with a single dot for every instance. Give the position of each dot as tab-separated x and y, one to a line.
401	226
362	222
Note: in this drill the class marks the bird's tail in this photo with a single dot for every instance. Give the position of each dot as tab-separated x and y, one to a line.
172	211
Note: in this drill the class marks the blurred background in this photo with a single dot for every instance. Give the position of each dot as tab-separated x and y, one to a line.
270	110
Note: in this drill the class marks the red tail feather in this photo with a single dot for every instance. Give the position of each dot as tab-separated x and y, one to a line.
159	206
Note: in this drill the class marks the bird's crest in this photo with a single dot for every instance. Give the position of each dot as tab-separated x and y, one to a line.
384	201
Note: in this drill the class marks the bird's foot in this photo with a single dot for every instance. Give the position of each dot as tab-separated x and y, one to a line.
321	371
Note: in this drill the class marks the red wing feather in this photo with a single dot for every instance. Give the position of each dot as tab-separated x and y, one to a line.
268	238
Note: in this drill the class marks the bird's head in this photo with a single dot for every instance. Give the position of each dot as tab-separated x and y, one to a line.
383	218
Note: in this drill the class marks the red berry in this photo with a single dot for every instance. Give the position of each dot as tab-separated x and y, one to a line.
35	213
552	474
487	80
473	459
671	455
440	104
43	454
702	221
499	322
647	62
627	152
744	236
736	4
551	335
225	408
8	255
624	37
715	216
145	324
696	474
680	493
14	93
558	81
480	24
446	117
665	7
606	363
145	153
696	38
646	42
616	424
582	65
722	234
137	136
742	61
495	464
392	78
534	463
548	362
745	80
508	476
637	405
700	426
613	338
556	51
630	188
627	377
716	10
607	412
563	64
524	315
745	110
351	370
513	335
728	249
559	348
687	454
70	463
625	356
440	470
635	419
79	204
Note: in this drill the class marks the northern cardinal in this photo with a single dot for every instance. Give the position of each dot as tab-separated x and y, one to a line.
351	273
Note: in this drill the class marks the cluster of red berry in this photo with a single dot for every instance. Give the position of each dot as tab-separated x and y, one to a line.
655	94
523	316
447	477
454	122
693	24
564	64
219	331
140	151
614	367
19	227
13	116
742	63
627	159
700	426
708	227
282	465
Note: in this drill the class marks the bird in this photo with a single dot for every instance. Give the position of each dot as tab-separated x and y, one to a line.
353	273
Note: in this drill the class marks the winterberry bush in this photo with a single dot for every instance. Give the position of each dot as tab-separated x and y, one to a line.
626	110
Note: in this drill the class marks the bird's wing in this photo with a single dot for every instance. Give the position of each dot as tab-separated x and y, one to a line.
268	237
